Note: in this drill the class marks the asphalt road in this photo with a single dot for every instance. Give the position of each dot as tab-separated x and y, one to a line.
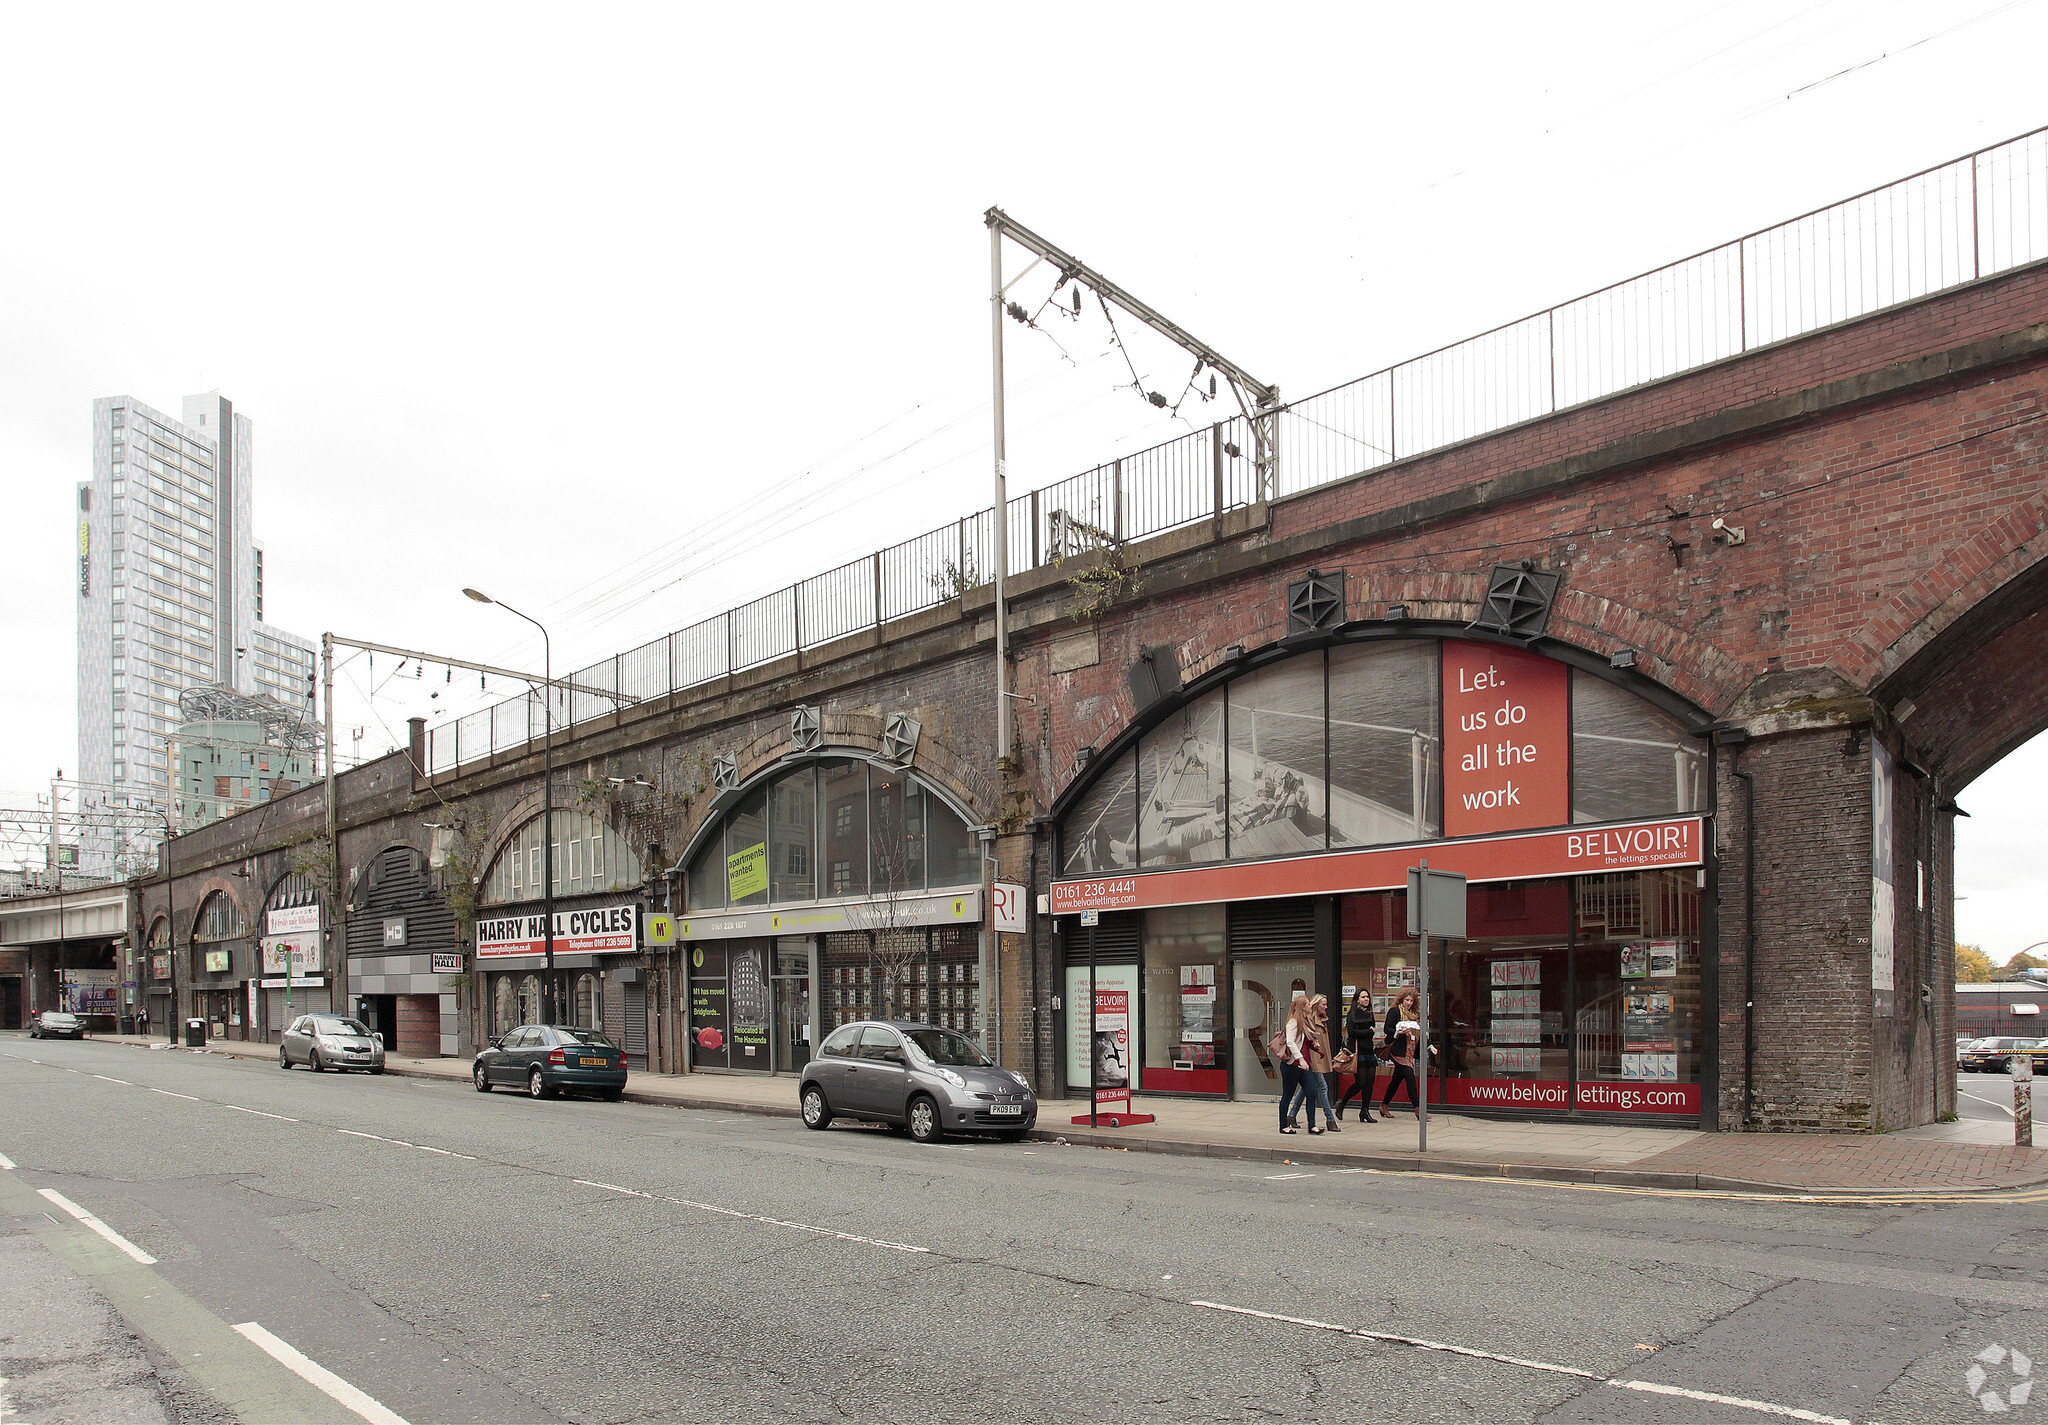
464	1258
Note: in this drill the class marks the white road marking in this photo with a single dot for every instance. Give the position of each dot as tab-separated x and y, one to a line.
1791	1412
319	1377
1992	1101
114	1081
98	1226
168	1094
1281	1177
401	1143
1766	1407
259	1113
6	1163
610	1187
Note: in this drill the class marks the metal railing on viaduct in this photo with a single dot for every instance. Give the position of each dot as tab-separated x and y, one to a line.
1975	216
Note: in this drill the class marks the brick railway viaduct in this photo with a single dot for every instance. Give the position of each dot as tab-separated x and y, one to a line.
1889	590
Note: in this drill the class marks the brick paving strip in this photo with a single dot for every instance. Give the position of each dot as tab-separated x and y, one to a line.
1572	1152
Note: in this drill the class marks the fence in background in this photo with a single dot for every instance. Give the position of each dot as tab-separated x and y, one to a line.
1979	215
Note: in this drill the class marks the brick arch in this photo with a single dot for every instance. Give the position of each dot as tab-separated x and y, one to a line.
933	772
1956	581
207	889
1965	681
361	887
1696	669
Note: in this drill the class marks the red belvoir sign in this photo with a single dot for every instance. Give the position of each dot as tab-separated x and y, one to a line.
1600	1097
1571	851
1507	739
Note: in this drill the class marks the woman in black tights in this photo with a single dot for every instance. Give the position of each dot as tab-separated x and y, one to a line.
1358	1039
1403	1050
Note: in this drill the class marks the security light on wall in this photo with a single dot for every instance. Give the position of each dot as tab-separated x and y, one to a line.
1622	658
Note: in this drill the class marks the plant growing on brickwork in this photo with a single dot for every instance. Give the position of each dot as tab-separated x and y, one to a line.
955	579
595	793
312	857
1111	579
457	859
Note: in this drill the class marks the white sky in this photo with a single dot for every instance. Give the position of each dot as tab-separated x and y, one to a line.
566	302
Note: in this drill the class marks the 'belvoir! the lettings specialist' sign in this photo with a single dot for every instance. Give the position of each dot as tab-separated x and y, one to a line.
606	930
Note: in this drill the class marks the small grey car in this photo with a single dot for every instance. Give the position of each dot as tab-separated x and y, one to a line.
918	1077
330	1041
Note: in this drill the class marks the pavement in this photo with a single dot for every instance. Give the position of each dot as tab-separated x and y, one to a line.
1971	1155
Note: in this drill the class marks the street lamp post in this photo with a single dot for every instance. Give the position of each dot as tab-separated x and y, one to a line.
551	1005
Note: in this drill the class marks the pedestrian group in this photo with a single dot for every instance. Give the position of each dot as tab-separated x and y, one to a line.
1302	1045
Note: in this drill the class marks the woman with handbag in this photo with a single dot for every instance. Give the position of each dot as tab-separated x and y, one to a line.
1306	1061
1358	1048
1404	1041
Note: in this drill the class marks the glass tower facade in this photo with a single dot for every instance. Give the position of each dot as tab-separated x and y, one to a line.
169	593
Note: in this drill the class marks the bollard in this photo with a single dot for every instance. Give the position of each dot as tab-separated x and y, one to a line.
2022	1099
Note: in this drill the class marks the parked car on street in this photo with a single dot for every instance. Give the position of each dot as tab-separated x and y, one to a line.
926	1080
1993	1056
330	1041
56	1024
547	1058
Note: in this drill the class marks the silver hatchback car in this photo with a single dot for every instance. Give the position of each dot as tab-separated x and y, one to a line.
330	1041
918	1077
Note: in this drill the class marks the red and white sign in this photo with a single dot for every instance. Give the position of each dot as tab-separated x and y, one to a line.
1602	1097
1507	739
606	930
1006	902
1529	855
1111	1053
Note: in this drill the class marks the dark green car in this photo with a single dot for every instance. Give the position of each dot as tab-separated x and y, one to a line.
545	1059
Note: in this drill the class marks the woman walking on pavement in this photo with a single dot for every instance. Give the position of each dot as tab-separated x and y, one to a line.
1403	1046
1306	1061
1358	1043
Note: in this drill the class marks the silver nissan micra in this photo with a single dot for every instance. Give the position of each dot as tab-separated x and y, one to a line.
919	1077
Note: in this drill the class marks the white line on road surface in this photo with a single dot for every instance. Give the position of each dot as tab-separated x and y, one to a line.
259	1113
1790	1412
319	1377
1992	1101
401	1143
168	1094
753	1217
114	1081
98	1226
1281	1177
6	1163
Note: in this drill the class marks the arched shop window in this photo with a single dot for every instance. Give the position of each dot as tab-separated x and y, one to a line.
504	1007
528	1000
219	919
1343	747
160	934
590	857
586	1001
839	827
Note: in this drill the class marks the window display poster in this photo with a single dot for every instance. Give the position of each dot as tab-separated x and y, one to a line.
1507	1002
1197	1012
1507	739
1650	1068
1663	959
709	1024
1378	981
1105	1038
1517	972
1635	961
1517	1031
747	1007
304	951
1517	1061
1400	977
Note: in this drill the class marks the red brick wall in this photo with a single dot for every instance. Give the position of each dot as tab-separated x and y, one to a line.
419	1026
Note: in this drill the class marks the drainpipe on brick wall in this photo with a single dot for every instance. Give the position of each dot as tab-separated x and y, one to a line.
1748	938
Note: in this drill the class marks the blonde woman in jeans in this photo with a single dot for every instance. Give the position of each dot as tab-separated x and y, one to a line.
1305	1064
